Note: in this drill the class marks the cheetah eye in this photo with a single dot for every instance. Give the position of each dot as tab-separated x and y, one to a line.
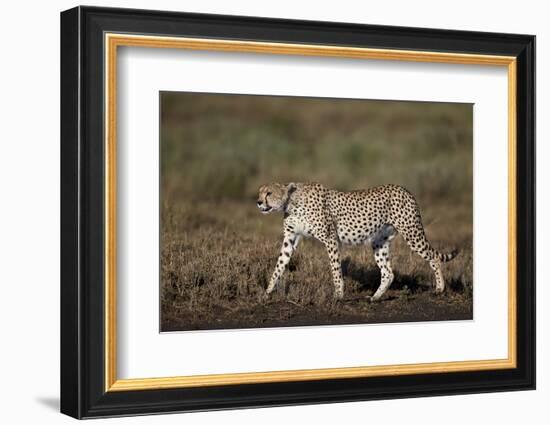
268	193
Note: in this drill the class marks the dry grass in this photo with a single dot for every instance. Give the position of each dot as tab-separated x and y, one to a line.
215	271
218	251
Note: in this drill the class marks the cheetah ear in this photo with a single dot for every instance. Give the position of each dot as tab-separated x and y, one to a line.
291	187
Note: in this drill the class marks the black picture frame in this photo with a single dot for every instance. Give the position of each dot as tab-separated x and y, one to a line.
83	392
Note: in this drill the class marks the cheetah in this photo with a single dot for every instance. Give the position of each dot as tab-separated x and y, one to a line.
374	216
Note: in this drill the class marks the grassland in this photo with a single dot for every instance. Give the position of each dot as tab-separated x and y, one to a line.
218	251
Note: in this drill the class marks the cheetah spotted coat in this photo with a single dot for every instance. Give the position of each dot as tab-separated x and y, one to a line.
374	216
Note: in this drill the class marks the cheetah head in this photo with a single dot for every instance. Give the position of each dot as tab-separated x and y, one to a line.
274	197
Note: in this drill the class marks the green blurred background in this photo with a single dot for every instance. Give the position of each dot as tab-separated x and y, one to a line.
224	146
218	251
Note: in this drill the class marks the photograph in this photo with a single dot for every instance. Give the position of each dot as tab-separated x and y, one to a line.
281	211
346	207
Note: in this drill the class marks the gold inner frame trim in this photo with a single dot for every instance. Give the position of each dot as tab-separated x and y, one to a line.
113	41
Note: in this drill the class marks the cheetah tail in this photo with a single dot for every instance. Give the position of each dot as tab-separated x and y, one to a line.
447	257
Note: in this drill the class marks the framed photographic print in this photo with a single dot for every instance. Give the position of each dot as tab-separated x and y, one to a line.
261	212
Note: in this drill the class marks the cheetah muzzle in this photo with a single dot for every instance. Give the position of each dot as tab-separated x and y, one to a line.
374	216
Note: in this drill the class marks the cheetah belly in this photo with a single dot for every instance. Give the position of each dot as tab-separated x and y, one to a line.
355	235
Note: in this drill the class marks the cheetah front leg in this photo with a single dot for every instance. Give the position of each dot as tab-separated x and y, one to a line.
333	251
290	242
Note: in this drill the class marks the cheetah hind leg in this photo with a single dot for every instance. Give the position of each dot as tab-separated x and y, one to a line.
416	239
381	247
